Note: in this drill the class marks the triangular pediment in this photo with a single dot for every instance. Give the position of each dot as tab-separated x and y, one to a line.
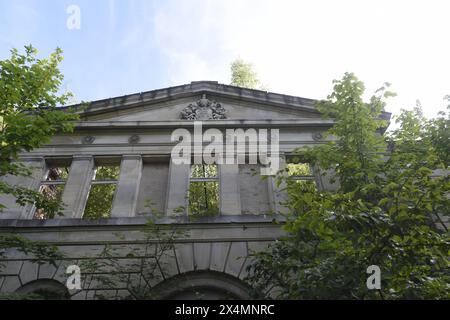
204	100
184	109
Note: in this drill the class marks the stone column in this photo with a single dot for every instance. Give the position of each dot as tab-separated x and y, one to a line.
324	177
277	193
177	188
230	199
13	210
77	186
127	190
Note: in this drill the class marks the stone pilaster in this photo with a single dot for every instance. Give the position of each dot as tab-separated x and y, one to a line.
177	188
277	192
324	177
230	200
77	186
13	210
125	199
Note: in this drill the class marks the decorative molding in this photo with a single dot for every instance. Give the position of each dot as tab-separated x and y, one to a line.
317	136
164	124
88	140
26	158
134	139
78	157
132	156
252	222
203	109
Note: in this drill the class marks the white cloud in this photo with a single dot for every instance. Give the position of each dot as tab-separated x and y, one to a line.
299	47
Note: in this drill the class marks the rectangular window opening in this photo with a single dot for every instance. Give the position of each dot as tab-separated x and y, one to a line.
301	175
102	191
203	193
52	188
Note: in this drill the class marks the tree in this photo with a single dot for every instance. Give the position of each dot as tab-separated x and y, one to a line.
387	210
439	134
29	117
243	75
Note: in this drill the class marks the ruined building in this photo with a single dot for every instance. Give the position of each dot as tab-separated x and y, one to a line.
114	173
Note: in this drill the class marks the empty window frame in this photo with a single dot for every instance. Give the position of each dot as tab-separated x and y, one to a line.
300	174
203	193
52	186
102	191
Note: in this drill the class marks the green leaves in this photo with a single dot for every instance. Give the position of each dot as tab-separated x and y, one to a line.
29	115
243	75
385	212
38	252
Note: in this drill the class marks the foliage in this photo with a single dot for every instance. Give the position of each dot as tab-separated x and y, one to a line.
101	196
387	210
134	268
203	194
439	134
243	75
29	117
37	252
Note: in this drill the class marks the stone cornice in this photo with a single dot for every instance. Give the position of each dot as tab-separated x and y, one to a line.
313	122
194	88
198	88
21	225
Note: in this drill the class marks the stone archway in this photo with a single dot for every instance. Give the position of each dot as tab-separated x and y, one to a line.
202	285
48	289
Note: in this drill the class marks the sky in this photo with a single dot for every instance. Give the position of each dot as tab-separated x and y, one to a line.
296	47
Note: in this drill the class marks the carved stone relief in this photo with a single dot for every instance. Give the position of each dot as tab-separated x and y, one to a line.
203	109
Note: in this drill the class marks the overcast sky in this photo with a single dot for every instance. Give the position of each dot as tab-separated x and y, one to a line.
297	47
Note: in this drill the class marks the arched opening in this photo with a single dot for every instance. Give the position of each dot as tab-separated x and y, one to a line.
45	289
203	285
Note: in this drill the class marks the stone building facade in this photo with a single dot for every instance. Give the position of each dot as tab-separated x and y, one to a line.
208	256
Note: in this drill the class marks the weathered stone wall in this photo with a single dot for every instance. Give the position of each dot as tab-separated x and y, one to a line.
221	247
253	190
152	196
135	131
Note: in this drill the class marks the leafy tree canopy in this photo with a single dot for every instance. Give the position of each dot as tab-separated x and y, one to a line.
243	75
29	116
387	211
